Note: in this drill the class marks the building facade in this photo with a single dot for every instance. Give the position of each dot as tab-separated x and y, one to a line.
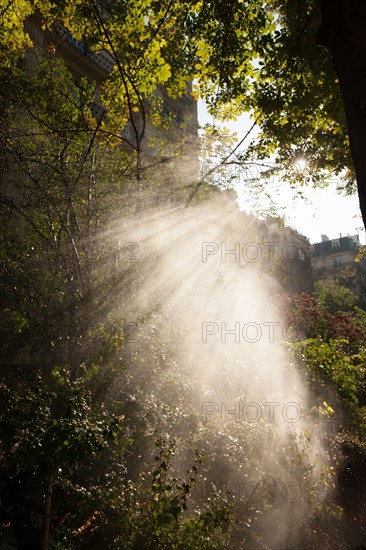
330	257
82	62
341	260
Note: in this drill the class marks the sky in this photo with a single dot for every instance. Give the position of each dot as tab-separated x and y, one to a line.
324	212
321	212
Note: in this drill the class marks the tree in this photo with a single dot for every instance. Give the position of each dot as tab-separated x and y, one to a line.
59	187
66	293
333	297
342	31
252	56
331	313
310	110
44	439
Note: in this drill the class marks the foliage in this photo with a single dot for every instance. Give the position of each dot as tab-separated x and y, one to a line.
61	278
325	314
160	520
109	508
297	97
255	57
331	341
44	435
333	357
61	181
330	361
69	291
303	315
258	57
333	297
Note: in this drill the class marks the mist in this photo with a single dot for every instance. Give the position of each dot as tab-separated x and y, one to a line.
208	341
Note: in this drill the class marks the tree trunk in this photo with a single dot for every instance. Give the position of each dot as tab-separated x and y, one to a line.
46	520
343	33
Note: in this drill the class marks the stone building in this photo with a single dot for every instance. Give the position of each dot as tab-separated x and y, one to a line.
342	260
330	257
82	62
291	256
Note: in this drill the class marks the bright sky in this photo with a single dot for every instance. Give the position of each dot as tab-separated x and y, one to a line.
323	211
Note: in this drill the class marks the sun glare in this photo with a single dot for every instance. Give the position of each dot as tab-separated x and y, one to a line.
301	164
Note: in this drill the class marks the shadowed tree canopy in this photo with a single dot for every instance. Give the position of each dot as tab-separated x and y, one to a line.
255	56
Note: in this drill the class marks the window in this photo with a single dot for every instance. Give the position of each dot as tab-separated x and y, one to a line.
300	254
